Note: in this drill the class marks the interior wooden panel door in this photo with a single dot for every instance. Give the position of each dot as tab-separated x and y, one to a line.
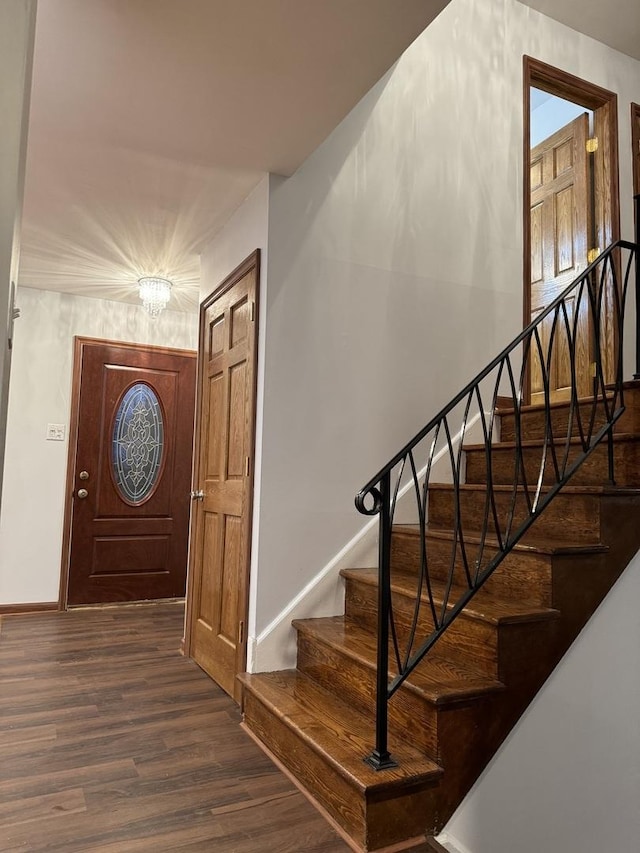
221	528
560	227
130	472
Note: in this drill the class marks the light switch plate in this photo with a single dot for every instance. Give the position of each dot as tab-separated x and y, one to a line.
55	432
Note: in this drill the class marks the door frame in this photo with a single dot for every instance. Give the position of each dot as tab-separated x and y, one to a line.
79	344
604	105
251	262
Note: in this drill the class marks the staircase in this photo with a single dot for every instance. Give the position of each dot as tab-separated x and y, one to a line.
450	716
492	581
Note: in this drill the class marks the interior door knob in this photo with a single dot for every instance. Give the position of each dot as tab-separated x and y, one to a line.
83	475
82	493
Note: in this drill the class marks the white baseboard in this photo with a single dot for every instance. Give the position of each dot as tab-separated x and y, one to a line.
275	647
449	844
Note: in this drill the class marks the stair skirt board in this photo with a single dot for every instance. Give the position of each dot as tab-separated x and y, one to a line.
274	648
394	848
451	715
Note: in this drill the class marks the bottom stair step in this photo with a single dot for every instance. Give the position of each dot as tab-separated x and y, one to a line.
322	741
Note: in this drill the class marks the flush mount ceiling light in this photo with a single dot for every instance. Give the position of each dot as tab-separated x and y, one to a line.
154	293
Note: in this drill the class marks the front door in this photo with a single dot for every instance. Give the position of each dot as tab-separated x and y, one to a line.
560	227
130	472
221	527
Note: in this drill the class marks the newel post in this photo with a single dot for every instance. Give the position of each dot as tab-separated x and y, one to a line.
380	759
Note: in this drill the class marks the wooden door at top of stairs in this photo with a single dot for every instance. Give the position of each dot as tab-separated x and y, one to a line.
221	529
560	222
129	472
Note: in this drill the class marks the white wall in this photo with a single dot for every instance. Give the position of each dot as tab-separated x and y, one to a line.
568	777
395	270
40	393
381	248
17	29
246	231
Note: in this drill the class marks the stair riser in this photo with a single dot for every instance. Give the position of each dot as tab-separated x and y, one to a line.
594	471
466	639
568	514
523	576
355	682
533	422
500	652
343	802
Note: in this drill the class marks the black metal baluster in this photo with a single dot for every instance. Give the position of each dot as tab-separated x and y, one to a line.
607	275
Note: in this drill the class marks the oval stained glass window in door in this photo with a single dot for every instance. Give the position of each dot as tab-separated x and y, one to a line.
137	443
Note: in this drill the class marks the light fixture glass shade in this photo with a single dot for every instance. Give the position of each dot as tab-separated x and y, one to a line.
154	293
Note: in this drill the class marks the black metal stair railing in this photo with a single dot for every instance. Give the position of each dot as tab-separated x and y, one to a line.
581	333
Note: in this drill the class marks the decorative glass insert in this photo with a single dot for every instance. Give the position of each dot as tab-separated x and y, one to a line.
138	443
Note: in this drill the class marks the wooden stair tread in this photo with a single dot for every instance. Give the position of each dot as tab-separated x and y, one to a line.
489	608
341	733
438	679
618	438
543	545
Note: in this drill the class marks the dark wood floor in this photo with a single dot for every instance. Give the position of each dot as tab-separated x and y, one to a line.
112	742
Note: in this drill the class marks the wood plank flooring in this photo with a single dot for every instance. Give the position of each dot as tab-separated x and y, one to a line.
112	742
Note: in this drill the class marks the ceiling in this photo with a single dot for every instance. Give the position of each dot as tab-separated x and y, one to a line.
152	120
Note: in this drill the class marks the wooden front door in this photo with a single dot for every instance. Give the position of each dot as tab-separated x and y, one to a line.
221	528
560	227
130	472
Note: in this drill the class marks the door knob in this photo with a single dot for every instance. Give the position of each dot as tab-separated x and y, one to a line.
83	475
197	496
82	493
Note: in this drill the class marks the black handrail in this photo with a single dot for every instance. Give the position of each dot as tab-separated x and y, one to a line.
588	314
